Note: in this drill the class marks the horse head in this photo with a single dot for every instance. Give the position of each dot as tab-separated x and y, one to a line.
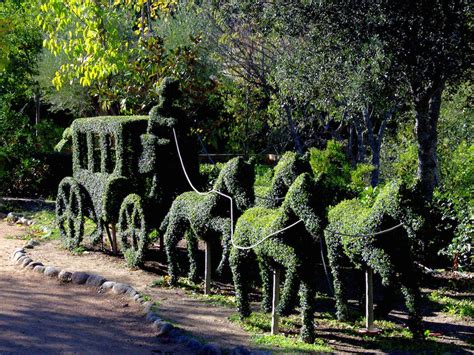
302	202
236	179
290	166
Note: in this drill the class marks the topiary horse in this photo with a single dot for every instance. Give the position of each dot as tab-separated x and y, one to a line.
390	255
206	216
289	167
291	250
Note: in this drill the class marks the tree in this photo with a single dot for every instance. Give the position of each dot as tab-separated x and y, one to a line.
429	42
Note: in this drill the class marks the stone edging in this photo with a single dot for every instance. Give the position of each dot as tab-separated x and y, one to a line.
160	326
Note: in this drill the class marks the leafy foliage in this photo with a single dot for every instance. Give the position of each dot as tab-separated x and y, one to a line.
206	216
351	232
291	250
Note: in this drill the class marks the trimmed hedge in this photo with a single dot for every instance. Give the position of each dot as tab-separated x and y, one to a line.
390	255
207	216
291	250
289	167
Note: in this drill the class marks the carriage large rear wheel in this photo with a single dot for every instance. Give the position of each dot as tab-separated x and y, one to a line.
70	212
132	231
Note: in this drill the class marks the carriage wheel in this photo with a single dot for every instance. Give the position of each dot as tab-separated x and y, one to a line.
132	232
70	212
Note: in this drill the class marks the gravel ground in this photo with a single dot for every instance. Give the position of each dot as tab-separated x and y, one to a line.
40	315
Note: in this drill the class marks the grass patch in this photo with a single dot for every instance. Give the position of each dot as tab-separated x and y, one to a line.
44	227
259	323
461	308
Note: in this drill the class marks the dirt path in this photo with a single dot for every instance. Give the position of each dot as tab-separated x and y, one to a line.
201	319
38	315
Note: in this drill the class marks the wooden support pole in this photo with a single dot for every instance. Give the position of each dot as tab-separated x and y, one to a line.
207	270
275	301
369	300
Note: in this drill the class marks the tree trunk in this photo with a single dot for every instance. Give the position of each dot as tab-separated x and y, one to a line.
427	114
294	134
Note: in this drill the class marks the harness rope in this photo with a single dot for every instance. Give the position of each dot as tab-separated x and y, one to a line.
231	205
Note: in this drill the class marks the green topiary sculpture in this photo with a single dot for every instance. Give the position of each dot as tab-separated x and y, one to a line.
125	172
289	167
291	250
207	216
390	255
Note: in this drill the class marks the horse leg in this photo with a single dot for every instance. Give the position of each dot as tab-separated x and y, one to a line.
174	232
335	256
267	282
290	287
307	300
411	291
222	226
192	246
237	265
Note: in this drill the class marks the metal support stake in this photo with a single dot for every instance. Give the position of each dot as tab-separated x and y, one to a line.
369	304
369	300
275	301
207	270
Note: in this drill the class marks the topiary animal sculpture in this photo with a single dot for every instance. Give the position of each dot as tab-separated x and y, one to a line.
390	255
291	250
289	167
207	216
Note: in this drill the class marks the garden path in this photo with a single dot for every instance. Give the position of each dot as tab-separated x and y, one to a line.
39	315
201	319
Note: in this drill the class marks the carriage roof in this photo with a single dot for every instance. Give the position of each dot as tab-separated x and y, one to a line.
109	124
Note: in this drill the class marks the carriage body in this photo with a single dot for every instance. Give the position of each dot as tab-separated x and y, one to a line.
108	186
106	153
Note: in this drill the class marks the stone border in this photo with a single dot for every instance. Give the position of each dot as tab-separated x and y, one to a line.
160	326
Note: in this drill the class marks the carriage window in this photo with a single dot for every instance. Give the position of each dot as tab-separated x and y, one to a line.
109	154
96	153
82	151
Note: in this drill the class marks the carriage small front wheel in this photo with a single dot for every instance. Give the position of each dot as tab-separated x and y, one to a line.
70	212
132	231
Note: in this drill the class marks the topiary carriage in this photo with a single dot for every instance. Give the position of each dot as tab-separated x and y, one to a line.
125	173
350	233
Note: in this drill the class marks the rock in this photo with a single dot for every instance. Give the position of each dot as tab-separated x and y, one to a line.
51	271
120	288
31	244
18	256
19	261
65	276
151	317
107	285
165	329
95	280
147	306
137	297
240	350
210	349
79	278
193	345
131	292
18	250
26	261
39	268
175	333
32	265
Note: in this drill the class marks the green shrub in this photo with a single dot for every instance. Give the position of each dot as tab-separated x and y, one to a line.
350	232
291	250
